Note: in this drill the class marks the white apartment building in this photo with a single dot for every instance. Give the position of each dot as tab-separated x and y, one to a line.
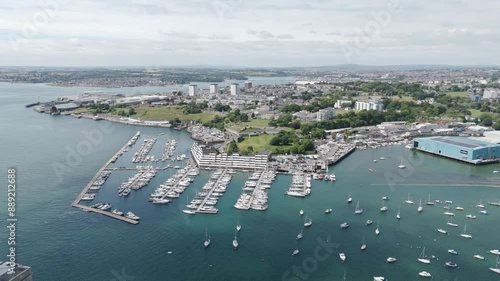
369	105
193	90
325	114
214	88
235	89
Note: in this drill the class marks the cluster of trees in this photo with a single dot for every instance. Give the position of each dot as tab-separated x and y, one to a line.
236	116
221	107
119	109
193	107
289	138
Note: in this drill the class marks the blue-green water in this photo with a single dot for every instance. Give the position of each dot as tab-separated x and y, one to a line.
64	243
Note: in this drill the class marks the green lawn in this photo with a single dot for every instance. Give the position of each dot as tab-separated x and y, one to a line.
258	143
171	112
458	94
252	123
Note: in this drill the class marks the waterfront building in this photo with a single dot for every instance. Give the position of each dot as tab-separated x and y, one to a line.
470	150
206	159
235	89
193	90
325	114
491	94
369	105
214	88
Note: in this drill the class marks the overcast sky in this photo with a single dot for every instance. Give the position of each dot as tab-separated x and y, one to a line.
248	32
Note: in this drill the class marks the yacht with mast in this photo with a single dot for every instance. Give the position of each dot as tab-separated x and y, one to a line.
363	245
408	201
420	208
398	215
207	239
377	231
401	166
422	258
307	222
429	202
349	200
495	269
465	235
358	210
235	242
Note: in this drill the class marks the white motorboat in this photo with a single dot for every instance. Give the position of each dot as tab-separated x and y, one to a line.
384	207
161	201
368	222
448	214
422	258
470	216
448	202
398	215
424	274
132	216
358	210
442	231
484	212
207	240
464	234
342	257
116	212
401	166
105	207
301	213
458	208
379	278
295	252
495	252
385	198
344	225
189	212
377	231
453	252
349	200
328	211
238	226
479	257
391	259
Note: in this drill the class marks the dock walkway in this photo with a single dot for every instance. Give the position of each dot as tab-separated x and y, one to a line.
76	202
209	194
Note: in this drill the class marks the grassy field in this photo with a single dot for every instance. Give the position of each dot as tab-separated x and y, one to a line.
258	143
169	113
252	123
458	94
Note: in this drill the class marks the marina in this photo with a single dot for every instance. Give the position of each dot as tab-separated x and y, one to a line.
98	178
142	156
174	186
301	185
205	200
254	194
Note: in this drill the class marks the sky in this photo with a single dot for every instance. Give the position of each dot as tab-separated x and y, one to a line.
250	33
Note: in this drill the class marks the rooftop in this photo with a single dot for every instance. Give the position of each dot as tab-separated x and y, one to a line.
465	142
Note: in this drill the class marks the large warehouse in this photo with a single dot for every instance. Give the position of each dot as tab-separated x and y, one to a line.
471	150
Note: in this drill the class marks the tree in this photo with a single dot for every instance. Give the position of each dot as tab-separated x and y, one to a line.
232	147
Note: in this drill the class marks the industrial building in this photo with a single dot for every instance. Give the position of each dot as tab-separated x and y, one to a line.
470	150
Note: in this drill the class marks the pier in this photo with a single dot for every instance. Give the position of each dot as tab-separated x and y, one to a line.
301	185
76	202
201	208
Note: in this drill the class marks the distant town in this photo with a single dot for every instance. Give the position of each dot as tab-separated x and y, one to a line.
322	113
